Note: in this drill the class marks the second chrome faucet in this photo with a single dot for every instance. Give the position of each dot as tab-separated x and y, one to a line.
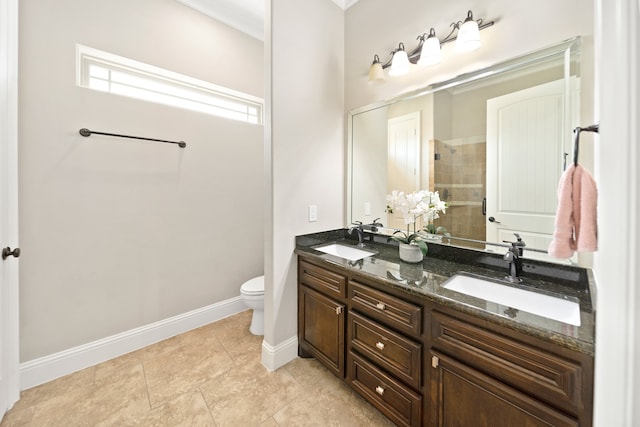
514	258
360	228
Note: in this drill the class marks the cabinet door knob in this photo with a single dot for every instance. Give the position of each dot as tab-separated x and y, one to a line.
379	345
379	390
380	306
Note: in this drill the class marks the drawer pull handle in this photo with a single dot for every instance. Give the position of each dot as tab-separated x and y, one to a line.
435	361
379	390
380	306
379	345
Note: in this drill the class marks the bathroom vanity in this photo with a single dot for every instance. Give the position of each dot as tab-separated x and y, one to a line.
425	353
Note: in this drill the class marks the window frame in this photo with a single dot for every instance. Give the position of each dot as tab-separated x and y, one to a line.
87	56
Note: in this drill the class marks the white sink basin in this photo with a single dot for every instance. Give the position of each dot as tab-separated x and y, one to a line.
343	251
547	306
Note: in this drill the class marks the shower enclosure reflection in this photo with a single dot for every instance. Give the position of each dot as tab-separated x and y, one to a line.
460	178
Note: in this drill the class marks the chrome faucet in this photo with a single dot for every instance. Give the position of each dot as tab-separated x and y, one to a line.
359	228
514	258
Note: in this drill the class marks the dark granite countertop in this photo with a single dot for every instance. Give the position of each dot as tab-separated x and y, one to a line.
443	261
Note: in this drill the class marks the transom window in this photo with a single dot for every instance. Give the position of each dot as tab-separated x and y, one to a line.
115	74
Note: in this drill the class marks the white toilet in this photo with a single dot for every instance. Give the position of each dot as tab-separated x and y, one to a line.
252	293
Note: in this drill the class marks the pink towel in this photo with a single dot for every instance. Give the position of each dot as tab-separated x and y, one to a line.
563	243
585	209
576	217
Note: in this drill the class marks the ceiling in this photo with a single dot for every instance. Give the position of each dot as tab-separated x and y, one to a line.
244	15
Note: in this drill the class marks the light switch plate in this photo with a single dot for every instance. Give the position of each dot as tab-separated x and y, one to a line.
313	213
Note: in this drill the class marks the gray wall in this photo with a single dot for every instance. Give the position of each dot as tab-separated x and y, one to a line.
305	54
115	233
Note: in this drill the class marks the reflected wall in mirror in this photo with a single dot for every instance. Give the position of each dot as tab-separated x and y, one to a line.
493	143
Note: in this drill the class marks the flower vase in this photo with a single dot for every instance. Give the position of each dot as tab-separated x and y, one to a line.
410	253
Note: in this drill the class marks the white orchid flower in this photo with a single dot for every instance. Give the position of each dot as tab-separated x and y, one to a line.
418	204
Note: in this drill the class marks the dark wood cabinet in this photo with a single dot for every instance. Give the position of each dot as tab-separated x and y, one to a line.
392	351
321	329
321	317
398	402
396	312
422	363
462	396
322	280
385	352
542	383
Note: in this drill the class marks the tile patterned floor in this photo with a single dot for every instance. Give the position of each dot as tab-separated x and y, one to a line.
211	376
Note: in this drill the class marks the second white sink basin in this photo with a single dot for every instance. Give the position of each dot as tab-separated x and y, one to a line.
343	251
540	304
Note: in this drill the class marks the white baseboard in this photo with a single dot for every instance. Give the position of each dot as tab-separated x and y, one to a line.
280	355
47	368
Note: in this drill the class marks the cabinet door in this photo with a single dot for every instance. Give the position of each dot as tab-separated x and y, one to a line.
321	327
462	396
556	380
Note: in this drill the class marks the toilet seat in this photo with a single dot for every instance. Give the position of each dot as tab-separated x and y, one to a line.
253	287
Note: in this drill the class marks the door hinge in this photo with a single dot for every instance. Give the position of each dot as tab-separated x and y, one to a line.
435	361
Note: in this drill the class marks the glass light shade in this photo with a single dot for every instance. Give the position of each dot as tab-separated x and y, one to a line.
399	64
376	74
468	37
430	53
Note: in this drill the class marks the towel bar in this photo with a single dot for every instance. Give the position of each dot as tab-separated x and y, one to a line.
87	132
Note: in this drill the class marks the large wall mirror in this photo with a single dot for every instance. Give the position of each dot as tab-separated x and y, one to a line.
493	143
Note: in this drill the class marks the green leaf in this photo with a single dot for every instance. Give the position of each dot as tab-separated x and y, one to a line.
402	239
441	230
423	246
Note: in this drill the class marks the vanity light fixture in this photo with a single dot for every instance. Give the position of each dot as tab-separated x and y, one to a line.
400	62
430	53
466	34
376	73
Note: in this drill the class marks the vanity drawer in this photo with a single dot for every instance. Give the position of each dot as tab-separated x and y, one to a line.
548	377
399	403
389	350
322	280
392	311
